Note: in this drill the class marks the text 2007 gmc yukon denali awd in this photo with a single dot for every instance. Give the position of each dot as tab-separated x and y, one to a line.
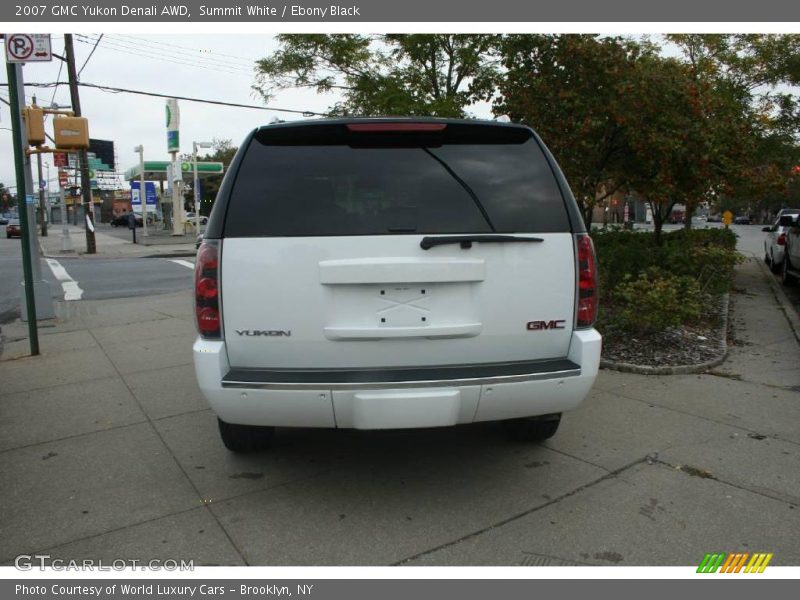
394	273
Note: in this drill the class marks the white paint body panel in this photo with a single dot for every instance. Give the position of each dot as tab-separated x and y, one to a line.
400	408
382	301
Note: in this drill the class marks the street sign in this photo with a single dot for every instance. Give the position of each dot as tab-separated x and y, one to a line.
42	184
60	159
28	47
727	217
63	178
150	193
173	125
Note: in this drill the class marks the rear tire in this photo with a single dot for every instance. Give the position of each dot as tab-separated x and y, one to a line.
532	429
245	438
786	277
775	267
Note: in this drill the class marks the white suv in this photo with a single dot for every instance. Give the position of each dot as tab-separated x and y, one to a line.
775	242
394	273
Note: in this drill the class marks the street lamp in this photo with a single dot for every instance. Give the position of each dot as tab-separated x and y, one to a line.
195	181
142	192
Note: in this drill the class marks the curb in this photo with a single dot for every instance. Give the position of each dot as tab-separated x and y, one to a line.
679	369
783	300
75	254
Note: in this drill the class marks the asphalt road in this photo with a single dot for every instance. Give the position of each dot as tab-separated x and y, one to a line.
95	278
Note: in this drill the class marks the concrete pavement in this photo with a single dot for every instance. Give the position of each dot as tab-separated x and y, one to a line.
108	451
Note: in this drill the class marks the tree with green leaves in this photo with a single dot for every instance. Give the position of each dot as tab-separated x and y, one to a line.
764	69
575	91
223	151
6	198
392	74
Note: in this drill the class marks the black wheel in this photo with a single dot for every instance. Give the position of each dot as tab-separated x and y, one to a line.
775	267
245	438
532	429
786	277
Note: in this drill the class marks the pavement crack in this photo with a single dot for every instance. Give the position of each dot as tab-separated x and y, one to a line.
704	474
507	520
578	458
191	483
704	418
108	531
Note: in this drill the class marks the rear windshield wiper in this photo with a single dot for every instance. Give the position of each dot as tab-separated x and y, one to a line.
466	241
465	186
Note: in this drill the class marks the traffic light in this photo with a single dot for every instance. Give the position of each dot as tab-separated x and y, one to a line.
71	133
34	125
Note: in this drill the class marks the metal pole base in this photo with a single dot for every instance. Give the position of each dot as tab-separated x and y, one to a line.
44	301
66	242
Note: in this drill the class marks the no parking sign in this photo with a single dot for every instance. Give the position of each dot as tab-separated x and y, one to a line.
28	47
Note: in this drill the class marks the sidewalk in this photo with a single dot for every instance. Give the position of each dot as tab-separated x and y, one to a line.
108	451
158	243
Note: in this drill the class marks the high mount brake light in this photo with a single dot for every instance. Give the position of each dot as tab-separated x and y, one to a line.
395	127
206	294
587	281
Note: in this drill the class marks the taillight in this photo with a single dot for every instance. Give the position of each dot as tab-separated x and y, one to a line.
587	281
782	239
396	126
206	291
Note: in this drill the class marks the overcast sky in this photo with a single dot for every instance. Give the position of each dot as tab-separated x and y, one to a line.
204	66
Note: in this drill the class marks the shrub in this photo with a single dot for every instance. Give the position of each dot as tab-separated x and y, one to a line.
653	301
645	288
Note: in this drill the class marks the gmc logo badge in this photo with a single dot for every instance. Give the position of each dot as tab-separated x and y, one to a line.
539	325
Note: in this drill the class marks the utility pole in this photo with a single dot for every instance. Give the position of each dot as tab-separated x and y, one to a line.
86	183
27	267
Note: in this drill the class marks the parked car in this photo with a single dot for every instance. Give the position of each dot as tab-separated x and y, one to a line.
124	220
714	218
741	220
13	229
775	241
3	220
203	218
790	271
394	273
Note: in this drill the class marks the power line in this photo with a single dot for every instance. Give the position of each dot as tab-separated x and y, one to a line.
155	54
144	54
86	62
118	90
191	53
58	77
192	56
182	47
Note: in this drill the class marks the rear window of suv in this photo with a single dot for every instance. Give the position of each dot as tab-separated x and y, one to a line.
323	181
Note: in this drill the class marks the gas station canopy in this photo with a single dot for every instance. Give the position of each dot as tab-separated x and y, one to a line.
156	170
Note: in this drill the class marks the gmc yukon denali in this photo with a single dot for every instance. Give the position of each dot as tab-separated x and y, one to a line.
394	273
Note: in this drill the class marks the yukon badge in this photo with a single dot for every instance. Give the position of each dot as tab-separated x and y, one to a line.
540	325
265	332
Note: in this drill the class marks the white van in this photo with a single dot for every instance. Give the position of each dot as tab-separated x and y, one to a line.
394	273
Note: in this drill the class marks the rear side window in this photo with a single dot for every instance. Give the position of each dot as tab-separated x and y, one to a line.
340	189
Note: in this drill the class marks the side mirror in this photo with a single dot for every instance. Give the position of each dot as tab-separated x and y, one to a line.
766	229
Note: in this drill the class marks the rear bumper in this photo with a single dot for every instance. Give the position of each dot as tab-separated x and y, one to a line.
397	398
